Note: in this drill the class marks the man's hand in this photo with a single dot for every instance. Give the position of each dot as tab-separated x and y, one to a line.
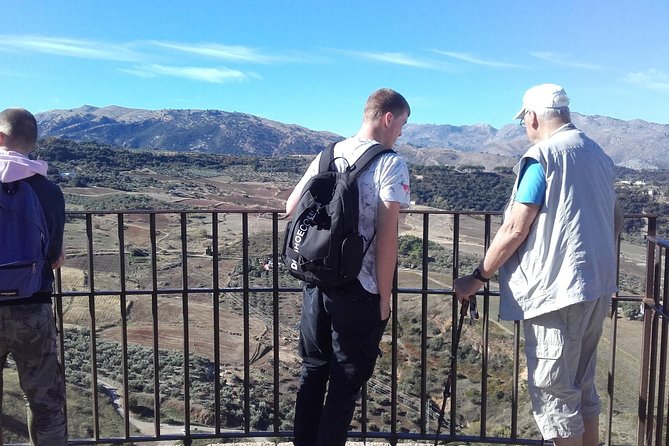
60	261
465	287
385	309
387	217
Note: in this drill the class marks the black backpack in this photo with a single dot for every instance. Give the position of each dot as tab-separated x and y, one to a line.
322	245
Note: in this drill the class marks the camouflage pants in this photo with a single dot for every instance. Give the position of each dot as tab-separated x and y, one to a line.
28	332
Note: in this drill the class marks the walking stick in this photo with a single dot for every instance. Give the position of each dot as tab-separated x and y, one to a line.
467	305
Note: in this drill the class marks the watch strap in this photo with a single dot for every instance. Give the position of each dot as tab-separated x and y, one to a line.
478	276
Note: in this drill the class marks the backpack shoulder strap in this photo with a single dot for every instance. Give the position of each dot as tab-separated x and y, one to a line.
366	159
327	158
10	188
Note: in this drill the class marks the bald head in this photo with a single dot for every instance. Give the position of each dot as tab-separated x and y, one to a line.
18	130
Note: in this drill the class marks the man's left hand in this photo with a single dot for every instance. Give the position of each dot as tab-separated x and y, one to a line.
385	309
466	286
59	262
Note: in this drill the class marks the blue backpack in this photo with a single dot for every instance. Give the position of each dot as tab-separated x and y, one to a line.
24	239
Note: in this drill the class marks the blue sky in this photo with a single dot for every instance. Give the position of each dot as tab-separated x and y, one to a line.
314	63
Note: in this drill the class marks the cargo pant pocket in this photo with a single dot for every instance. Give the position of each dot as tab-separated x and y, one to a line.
544	352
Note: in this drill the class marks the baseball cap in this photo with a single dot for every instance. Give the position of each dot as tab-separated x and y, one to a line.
543	96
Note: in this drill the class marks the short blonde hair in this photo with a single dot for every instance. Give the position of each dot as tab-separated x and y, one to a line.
383	101
20	129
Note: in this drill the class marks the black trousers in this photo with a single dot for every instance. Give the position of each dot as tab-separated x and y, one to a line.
340	332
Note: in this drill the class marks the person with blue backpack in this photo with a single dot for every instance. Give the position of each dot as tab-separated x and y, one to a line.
32	220
345	314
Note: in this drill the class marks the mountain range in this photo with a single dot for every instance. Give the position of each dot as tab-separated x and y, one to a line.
635	144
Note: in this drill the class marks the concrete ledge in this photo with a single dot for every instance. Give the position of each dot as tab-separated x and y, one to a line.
348	443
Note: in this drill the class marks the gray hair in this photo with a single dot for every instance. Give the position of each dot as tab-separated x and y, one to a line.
561	114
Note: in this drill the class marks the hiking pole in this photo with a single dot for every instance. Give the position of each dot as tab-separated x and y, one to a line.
467	305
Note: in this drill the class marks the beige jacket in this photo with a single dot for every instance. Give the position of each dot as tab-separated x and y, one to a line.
569	255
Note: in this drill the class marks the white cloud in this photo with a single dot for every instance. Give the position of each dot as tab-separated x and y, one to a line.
223	52
475	60
395	59
651	79
84	49
565	60
203	74
138	52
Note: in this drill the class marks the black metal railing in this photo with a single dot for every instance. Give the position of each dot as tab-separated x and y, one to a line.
182	325
653	407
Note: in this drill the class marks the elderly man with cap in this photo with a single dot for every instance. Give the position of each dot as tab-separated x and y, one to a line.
556	255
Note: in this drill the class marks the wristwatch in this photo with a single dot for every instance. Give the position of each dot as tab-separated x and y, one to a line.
478	276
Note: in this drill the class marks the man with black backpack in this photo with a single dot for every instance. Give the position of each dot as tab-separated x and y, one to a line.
32	218
343	319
